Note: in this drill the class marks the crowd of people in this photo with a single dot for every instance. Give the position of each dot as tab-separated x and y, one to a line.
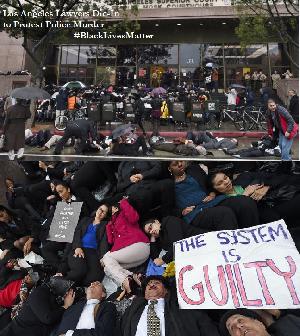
131	214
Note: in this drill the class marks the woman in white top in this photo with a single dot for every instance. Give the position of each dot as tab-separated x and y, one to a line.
231	97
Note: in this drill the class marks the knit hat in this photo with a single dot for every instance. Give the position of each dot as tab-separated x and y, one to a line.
239	311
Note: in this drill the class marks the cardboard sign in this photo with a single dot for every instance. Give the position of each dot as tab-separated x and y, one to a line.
256	267
64	222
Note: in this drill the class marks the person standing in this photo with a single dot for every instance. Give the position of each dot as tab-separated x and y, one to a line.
155	114
139	111
282	123
61	104
275	79
294	105
14	128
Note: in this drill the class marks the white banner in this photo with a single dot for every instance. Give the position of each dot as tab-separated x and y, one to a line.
149	4
257	267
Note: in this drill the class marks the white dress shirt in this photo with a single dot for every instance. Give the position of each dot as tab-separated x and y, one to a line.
141	329
86	320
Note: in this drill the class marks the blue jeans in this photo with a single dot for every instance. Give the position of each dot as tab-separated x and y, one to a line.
285	147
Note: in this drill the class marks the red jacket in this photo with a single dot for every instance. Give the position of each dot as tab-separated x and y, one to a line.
283	123
9	294
123	230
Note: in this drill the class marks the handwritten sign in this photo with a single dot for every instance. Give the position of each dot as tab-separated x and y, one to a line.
256	267
64	222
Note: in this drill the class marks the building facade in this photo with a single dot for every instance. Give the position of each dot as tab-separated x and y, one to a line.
189	39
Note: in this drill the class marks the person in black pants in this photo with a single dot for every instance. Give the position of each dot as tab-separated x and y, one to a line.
50	249
172	229
193	199
143	182
89	177
80	129
40	314
89	246
121	147
139	110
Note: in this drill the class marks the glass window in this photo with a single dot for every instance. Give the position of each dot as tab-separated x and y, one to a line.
144	75
87	54
52	55
125	76
158	54
189	54
106	75
233	55
106	55
126	55
257	54
69	54
277	55
167	54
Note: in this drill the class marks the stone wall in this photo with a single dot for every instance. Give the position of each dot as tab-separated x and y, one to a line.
10	82
284	86
12	54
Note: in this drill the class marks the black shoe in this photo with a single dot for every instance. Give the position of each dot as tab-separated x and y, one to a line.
148	153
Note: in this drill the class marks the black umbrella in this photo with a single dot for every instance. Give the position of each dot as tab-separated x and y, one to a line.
30	92
237	86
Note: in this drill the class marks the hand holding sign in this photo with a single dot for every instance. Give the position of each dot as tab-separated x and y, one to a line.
255	267
64	222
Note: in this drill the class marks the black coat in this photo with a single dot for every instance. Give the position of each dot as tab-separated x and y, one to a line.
80	231
172	229
104	320
178	322
288	325
86	127
294	107
14	126
21	228
151	172
38	316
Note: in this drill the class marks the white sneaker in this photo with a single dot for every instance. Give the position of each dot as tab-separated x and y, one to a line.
11	155
20	153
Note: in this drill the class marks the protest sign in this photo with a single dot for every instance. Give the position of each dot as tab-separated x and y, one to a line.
256	267
64	222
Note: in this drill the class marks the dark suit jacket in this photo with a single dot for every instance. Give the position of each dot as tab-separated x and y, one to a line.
104	320
38	316
178	322
80	231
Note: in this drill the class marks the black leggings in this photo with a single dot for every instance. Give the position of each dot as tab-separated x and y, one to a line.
245	210
50	251
215	219
89	177
130	149
85	270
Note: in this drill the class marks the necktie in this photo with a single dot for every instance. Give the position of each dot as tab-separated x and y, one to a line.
153	322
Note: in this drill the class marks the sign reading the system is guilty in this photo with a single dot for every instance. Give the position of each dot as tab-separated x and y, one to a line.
256	267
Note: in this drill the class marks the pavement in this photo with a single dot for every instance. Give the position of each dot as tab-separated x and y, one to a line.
169	132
